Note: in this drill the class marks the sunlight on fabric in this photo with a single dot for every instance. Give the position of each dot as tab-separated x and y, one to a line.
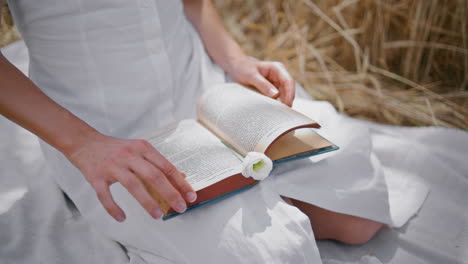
27	147
394	177
8	198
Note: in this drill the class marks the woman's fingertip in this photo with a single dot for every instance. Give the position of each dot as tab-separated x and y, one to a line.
191	197
120	217
180	207
157	214
286	102
272	92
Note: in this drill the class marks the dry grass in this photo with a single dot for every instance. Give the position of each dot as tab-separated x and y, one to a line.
401	62
8	32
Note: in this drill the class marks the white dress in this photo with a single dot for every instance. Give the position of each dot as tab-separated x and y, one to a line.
130	67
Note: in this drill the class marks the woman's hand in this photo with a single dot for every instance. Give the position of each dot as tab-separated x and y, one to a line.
105	160
102	159
270	78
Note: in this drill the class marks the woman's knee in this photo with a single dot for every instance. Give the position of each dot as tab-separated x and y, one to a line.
355	230
345	228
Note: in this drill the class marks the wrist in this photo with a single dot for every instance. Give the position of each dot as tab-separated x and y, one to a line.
70	146
232	63
79	135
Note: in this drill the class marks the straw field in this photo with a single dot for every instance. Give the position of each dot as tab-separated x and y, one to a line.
8	33
400	62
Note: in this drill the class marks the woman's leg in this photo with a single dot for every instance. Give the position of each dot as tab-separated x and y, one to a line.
345	228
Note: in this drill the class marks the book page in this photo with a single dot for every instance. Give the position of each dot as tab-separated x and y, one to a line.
198	153
246	120
298	141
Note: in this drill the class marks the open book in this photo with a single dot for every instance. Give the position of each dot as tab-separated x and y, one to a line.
232	121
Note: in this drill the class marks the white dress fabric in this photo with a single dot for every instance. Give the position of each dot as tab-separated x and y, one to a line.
130	67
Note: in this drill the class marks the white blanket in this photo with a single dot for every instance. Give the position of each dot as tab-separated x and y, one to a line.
38	225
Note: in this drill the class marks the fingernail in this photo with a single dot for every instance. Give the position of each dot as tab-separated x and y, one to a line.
120	217
272	92
157	214
191	196
180	207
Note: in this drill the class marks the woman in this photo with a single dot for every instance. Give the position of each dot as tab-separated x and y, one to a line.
104	72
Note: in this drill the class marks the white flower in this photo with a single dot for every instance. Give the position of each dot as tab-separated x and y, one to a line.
256	165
